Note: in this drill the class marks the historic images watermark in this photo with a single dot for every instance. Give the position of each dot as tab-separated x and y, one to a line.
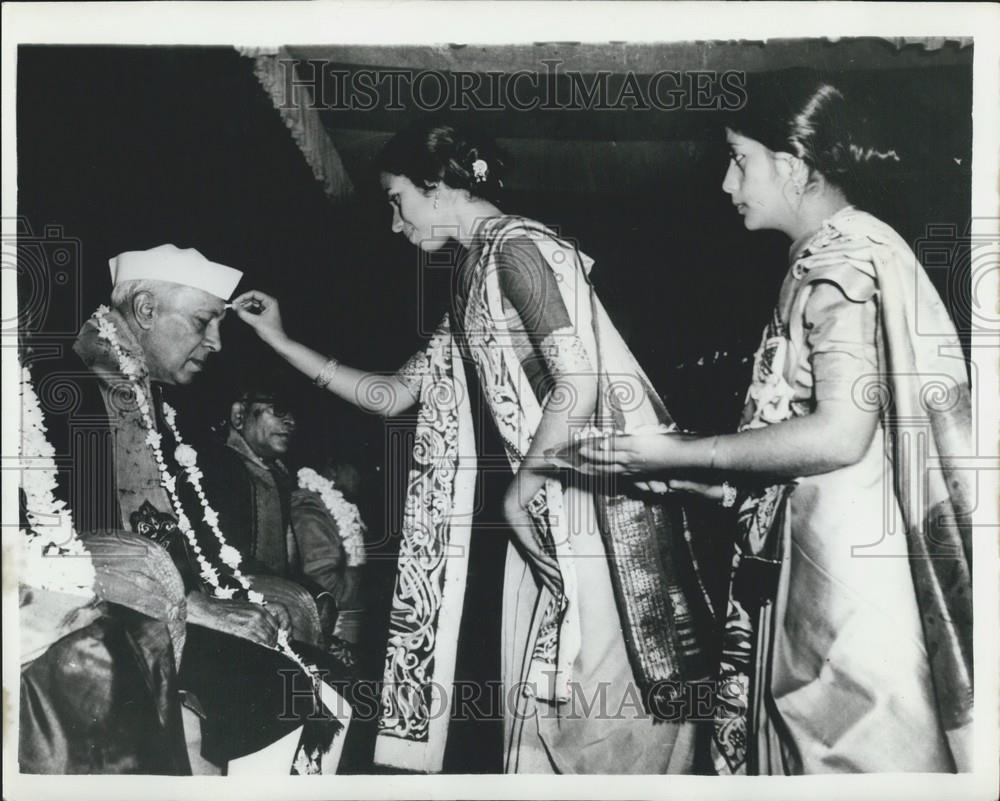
319	84
703	700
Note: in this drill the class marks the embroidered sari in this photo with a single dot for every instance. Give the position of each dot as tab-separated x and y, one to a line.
848	644
589	678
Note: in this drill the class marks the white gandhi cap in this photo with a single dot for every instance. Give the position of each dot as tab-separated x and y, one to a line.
171	263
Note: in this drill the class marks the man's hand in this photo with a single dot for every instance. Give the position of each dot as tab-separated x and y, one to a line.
238	618
327	608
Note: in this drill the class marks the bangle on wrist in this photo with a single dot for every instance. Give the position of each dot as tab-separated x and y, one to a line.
728	495
326	374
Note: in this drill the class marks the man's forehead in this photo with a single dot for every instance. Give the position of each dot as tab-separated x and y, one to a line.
191	299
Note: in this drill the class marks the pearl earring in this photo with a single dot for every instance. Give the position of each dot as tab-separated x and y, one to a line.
435	200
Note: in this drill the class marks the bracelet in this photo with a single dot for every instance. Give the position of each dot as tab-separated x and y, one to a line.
326	375
728	495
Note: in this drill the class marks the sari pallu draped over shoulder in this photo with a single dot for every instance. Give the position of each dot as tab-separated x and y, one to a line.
922	394
925	403
664	610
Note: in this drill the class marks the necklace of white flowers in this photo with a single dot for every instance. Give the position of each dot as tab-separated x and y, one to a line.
54	558
349	525
187	458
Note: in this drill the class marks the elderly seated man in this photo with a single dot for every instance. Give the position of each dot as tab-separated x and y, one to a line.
162	330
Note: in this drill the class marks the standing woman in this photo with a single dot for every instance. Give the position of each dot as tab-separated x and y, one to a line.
850	619
593	649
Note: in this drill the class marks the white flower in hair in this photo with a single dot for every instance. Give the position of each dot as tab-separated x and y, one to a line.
480	169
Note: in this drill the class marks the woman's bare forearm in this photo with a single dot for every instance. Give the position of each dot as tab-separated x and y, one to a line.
828	439
570	404
377	393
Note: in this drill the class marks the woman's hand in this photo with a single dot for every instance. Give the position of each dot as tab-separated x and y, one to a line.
710	492
632	454
542	564
654	487
262	313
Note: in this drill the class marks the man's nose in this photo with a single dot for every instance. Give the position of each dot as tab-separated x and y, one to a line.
397	221
213	336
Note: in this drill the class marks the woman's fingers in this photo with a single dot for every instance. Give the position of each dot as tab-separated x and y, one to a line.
711	491
613	450
549	576
250	297
543	565
254	304
596	460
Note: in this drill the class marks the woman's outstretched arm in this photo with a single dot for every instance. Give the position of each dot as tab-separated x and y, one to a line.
378	393
840	337
837	434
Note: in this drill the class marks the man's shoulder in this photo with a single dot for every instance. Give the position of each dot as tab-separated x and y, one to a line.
217	454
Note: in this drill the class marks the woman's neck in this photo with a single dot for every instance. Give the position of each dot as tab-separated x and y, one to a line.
469	215
814	211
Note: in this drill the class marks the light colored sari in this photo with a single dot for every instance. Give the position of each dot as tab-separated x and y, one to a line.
858	658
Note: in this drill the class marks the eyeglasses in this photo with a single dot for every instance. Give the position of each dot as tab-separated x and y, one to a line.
276	408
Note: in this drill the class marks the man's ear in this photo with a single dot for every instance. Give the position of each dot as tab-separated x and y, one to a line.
237	414
144	309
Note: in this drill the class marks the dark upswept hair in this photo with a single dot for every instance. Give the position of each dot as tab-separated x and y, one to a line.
803	114
431	150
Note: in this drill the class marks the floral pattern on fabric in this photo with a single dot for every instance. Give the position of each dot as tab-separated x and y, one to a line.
565	353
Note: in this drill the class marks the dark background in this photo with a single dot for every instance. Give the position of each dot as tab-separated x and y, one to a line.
125	148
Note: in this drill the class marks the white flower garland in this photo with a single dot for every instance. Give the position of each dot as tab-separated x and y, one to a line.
53	557
349	524
187	458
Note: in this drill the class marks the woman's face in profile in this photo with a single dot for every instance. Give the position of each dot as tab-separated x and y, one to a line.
756	181
413	212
